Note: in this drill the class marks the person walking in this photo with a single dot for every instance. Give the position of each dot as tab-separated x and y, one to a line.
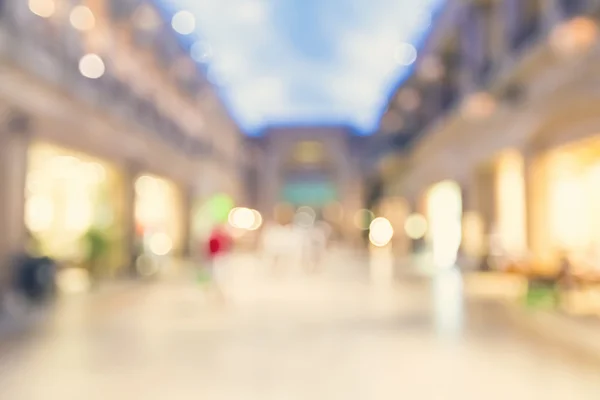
218	246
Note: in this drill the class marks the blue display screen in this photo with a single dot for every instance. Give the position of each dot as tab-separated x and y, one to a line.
315	194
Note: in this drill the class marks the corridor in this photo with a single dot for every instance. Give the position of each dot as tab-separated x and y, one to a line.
337	335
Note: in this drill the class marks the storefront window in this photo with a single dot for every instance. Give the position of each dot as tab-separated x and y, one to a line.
444	214
158	214
69	195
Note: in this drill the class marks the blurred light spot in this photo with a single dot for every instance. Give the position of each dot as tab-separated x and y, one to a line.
73	280
160	244
363	218
479	106
184	22
42	8
305	217
431	69
146	18
258	220
82	18
91	66
39	213
574	36
381	232
415	226
406	54
409	99
201	51
242	218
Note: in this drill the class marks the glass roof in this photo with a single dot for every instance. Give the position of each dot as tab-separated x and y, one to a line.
303	62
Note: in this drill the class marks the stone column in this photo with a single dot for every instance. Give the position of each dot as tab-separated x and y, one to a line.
14	145
538	224
187	204
128	197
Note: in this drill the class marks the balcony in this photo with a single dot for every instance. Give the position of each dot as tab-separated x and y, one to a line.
484	72
572	8
526	32
54	58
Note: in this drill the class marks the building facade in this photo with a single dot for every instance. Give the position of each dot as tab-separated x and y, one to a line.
107	124
502	125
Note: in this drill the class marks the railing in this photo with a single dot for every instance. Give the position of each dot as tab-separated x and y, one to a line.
48	57
448	96
525	32
484	71
571	8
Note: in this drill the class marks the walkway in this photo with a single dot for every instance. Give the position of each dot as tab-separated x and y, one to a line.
336	336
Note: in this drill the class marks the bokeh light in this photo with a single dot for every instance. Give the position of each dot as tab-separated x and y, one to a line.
242	218
91	66
184	22
42	8
415	226
406	54
82	18
160	244
381	232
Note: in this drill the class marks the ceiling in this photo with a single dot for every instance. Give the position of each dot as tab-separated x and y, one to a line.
305	62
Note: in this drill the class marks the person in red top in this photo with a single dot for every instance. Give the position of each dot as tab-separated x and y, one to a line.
218	245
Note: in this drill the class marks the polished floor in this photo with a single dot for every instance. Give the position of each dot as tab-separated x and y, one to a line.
347	333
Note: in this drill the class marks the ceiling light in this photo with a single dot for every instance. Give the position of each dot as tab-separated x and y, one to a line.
184	22
91	66
82	18
42	8
406	54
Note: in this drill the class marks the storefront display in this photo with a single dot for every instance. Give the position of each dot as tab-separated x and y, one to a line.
71	211
159	216
444	215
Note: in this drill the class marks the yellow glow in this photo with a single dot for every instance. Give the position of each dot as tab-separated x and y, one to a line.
160	244
73	280
415	226
574	36
82	18
444	211
569	211
39	213
381	232
242	218
473	234
42	8
511	203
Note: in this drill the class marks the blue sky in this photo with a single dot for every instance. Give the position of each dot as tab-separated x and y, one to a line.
319	62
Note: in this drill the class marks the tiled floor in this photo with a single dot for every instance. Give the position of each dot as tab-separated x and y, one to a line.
335	336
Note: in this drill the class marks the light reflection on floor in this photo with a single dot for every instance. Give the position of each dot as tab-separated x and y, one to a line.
337	335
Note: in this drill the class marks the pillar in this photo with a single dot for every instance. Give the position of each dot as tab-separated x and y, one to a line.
187	207
14	145
539	234
130	241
